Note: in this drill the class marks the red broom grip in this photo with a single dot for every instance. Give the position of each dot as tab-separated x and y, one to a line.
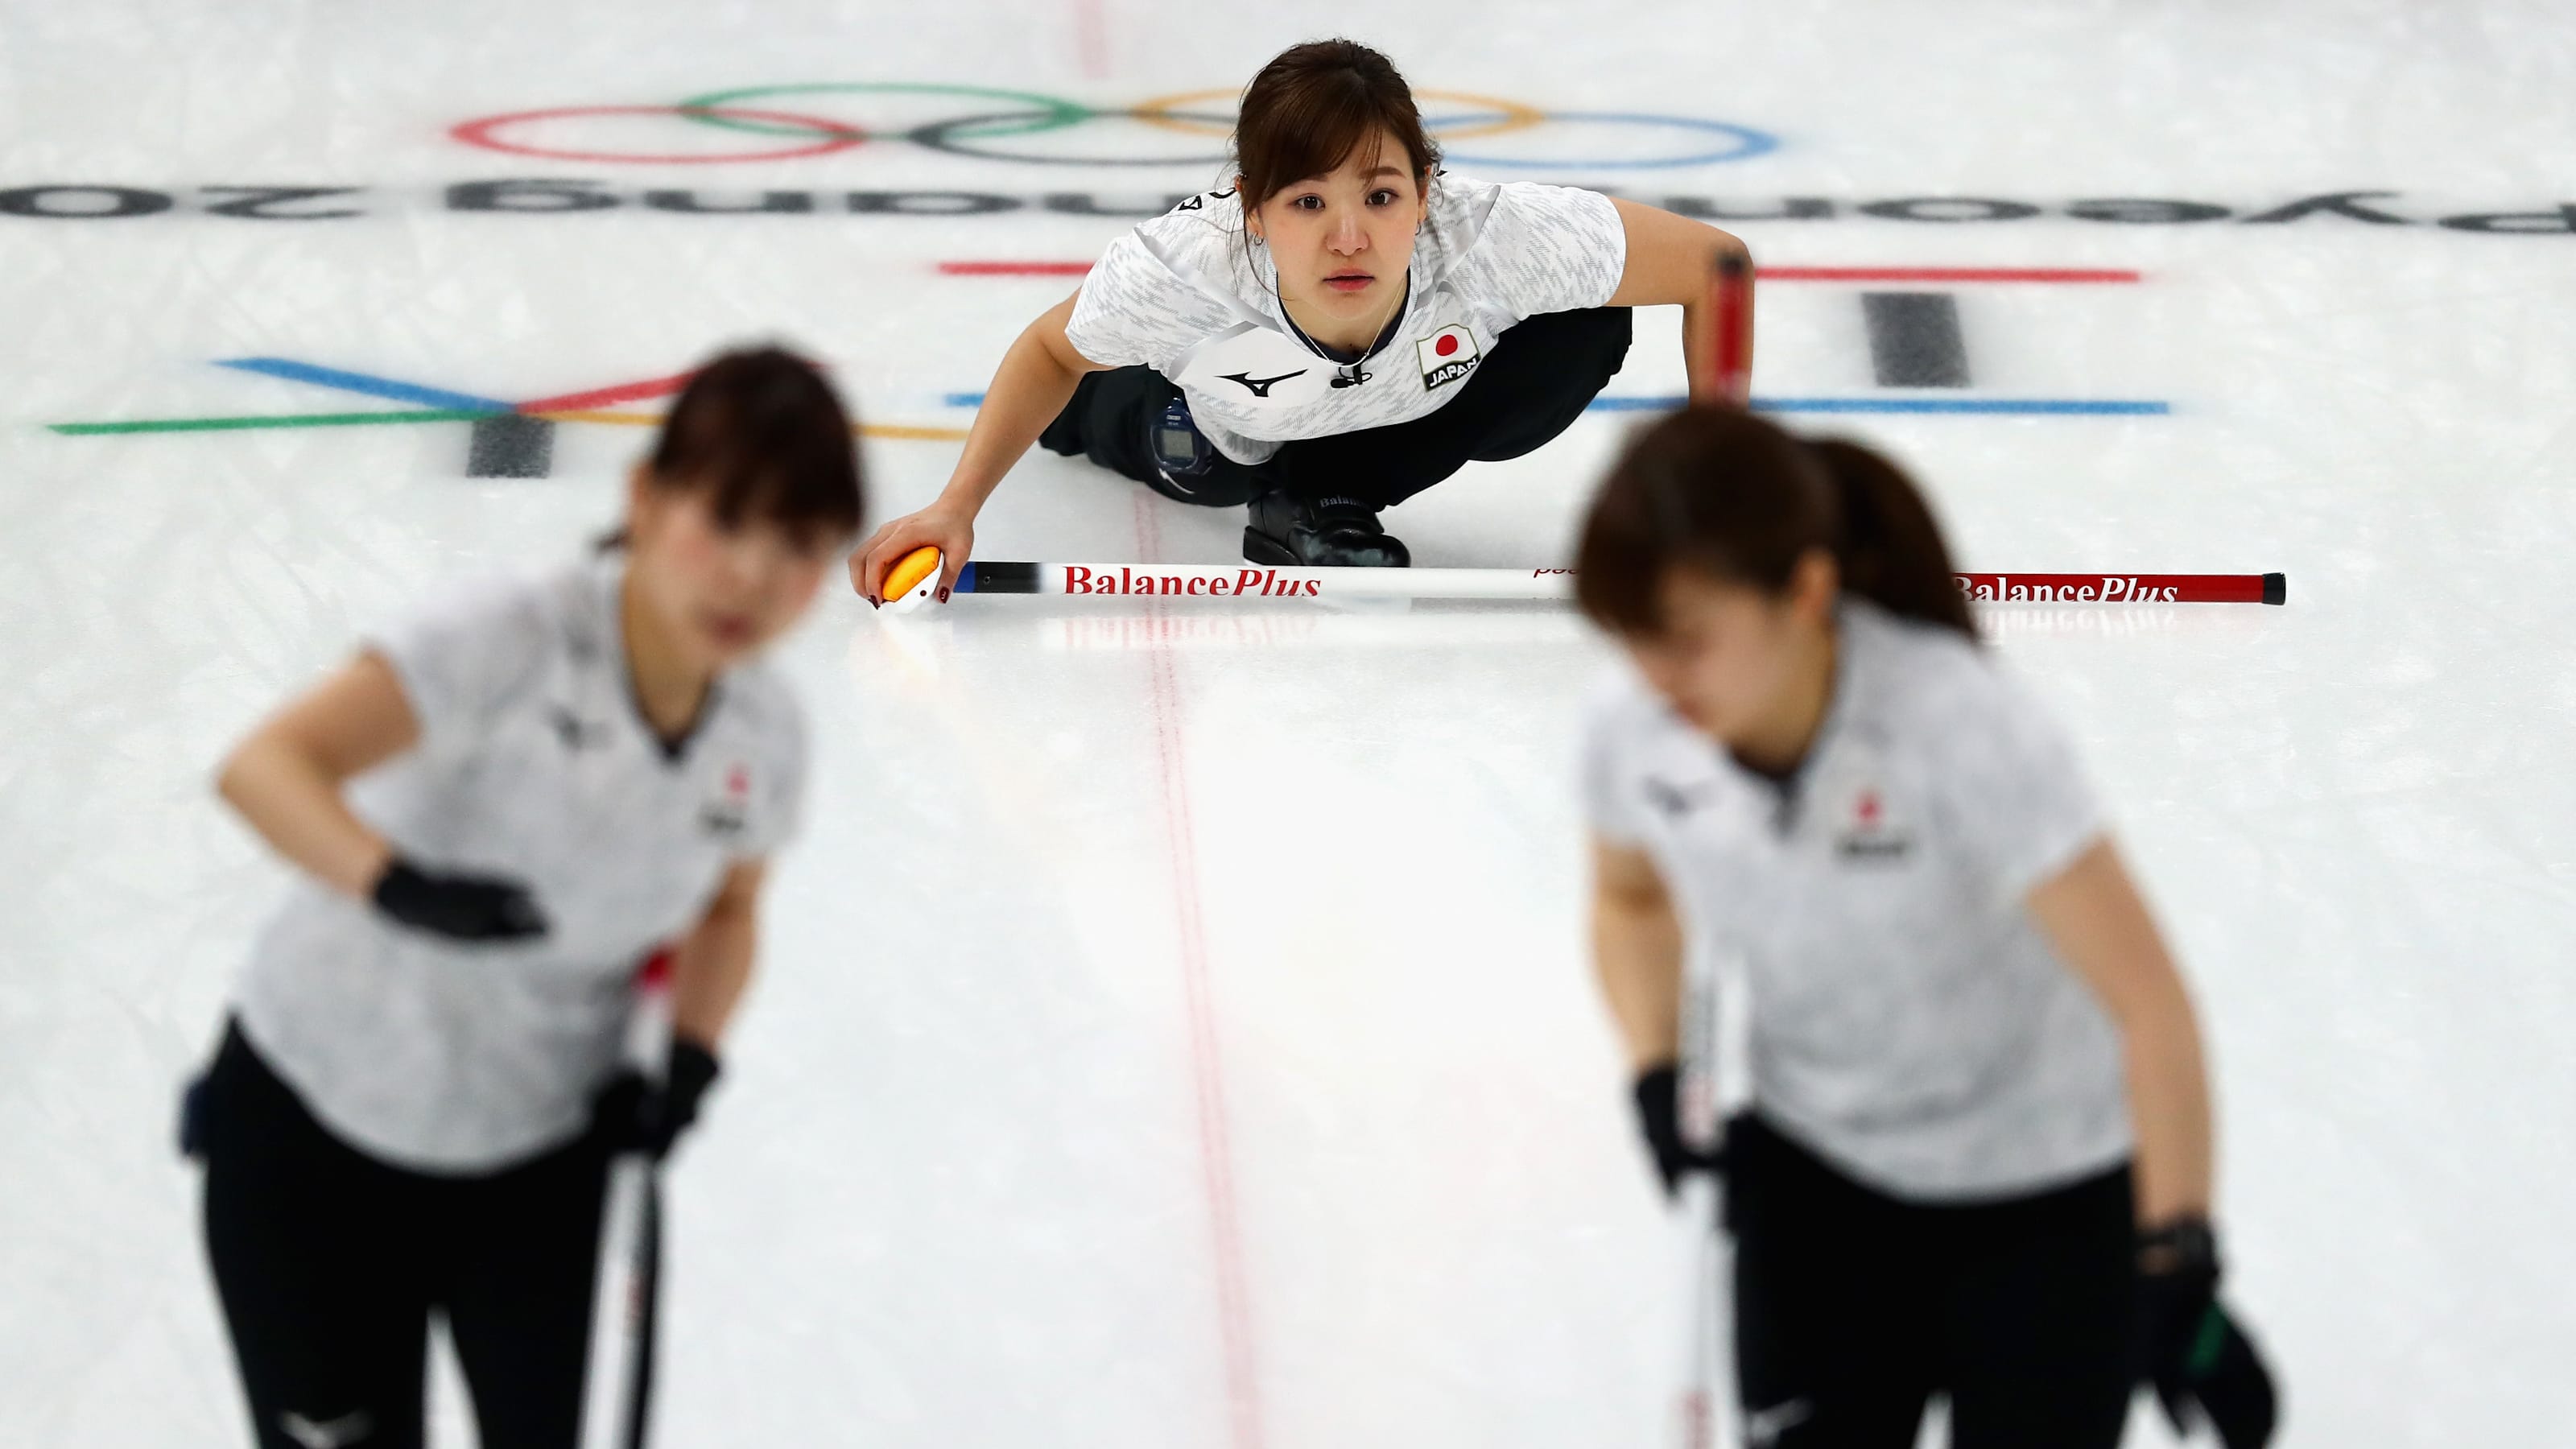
1732	293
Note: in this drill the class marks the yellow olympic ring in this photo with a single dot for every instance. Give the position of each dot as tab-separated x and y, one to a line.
1516	117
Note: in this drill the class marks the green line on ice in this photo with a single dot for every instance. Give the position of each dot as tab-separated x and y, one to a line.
285	420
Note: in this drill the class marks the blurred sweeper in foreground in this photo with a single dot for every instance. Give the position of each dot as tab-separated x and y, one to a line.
501	807
1976	1159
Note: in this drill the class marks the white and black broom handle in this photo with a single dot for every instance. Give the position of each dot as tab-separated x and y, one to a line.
613	1394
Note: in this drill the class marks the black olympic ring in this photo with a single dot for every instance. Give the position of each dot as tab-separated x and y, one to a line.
938	136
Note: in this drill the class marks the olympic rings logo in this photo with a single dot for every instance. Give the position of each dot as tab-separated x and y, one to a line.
991	129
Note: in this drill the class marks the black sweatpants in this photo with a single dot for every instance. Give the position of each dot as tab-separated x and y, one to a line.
1538	378
329	1263
1853	1308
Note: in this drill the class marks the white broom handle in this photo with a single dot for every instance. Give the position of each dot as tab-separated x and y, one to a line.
1697	1118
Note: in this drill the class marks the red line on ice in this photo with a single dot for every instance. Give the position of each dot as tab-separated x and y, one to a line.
1207	1076
1941	274
602	397
1090	39
1015	269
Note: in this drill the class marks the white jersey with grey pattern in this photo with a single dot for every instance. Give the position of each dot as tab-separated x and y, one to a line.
1185	295
1907	1020
533	763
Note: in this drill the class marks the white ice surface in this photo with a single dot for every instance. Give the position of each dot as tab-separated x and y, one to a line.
1072	865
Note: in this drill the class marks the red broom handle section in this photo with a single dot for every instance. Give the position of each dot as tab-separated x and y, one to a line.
1731	299
2126	588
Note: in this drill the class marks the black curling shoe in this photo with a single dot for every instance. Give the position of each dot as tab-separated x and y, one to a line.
1293	532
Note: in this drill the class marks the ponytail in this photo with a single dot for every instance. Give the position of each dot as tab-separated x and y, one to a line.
1721	491
1891	551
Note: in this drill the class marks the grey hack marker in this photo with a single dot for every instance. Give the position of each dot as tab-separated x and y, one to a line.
511	445
1914	339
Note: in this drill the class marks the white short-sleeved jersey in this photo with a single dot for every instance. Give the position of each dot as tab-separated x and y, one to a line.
1908	1022
1184	295
533	764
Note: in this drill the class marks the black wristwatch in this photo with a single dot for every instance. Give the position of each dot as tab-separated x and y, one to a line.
2183	1245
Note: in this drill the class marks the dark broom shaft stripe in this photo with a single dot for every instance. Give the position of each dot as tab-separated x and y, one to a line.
998	578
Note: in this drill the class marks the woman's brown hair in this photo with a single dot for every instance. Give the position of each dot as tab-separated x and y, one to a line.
761	431
1721	491
1312	106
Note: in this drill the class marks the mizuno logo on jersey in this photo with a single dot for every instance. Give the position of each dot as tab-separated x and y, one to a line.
1676	801
1447	355
577	734
326	1433
1763	1427
1260	386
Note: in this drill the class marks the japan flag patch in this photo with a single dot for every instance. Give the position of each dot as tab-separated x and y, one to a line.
1447	355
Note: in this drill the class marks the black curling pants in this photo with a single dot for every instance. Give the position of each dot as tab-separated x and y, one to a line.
1854	1308
329	1263
1538	378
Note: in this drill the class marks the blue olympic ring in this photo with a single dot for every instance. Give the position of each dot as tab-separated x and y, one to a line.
1748	142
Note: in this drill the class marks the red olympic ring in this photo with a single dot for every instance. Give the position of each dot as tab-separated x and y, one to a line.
838	135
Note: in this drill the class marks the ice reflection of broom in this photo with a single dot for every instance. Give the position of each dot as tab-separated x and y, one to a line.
1730	381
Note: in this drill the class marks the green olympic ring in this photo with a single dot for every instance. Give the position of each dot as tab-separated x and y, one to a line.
1058	113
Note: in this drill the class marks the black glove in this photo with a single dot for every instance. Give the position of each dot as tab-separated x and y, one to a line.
2201	1363
459	907
636	1115
1658	1092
